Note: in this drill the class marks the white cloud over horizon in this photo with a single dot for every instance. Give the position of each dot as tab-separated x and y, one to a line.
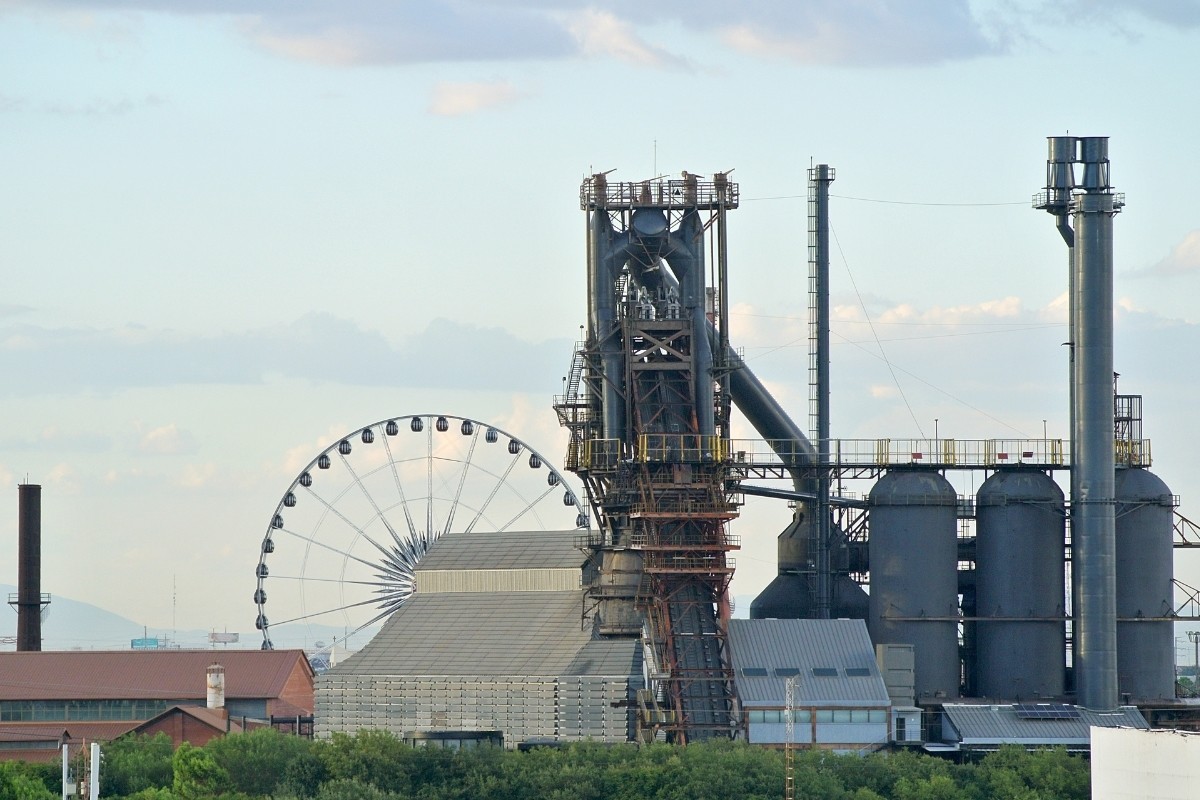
1184	259
457	99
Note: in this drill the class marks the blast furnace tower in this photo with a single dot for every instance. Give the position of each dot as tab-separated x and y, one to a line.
647	403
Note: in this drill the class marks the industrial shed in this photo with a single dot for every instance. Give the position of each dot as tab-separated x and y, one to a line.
983	728
51	698
495	639
840	700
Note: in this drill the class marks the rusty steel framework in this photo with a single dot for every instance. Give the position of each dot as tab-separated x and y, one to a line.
647	407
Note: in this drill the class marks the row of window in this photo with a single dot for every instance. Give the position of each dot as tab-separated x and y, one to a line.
817	672
860	715
83	710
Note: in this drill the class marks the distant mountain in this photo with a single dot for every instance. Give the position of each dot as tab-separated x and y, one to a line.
73	625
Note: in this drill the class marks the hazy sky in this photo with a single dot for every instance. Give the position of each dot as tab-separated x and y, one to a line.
230	235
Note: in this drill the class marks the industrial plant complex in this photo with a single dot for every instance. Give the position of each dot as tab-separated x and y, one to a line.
904	613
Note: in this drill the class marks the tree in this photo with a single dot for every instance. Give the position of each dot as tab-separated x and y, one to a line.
198	776
136	762
17	784
257	761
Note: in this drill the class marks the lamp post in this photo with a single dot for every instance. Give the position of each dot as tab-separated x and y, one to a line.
1194	638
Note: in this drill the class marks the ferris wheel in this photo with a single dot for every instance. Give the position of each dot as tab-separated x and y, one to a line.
341	547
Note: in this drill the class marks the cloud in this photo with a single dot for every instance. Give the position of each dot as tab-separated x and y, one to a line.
861	32
458	99
838	32
106	107
318	347
9	104
385	32
1183	259
167	440
601	33
1182	14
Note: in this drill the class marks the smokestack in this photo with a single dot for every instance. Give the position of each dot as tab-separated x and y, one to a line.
216	687
1090	204
29	570
1093	501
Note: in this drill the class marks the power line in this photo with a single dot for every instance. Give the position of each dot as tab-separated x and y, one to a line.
889	202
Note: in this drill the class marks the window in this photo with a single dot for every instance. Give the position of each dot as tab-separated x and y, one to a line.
786	672
877	715
754	672
825	672
858	672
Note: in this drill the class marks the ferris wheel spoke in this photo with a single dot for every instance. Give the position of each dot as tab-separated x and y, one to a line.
412	528
325	612
462	480
370	499
429	479
495	488
330	548
526	509
333	510
378	584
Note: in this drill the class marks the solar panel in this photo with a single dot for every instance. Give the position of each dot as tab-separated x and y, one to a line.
825	672
1045	711
786	672
754	672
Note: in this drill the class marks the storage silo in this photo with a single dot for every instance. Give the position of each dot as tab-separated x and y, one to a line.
1020	578
914	581
1145	536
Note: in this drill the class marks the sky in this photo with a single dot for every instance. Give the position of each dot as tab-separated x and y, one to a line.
233	232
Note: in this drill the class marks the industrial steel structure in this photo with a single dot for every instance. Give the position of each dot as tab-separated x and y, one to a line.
1021	593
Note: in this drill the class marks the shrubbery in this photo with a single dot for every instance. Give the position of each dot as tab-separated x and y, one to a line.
264	764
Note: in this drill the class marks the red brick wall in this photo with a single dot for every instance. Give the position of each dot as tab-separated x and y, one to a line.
298	691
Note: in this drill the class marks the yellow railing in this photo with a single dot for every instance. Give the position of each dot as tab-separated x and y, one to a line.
680	448
964	453
933	452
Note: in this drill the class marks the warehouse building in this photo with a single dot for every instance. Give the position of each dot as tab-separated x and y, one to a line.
495	642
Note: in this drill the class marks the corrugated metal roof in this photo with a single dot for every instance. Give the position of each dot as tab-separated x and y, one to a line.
507	550
470	633
830	646
143	674
988	725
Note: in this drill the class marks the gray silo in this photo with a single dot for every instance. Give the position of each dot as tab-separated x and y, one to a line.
1144	529
1020	584
914	575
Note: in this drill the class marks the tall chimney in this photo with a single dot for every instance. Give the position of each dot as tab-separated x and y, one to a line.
29	569
1093	501
1090	205
216	687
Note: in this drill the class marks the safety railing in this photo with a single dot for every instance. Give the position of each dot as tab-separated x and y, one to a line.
683	448
690	192
940	453
965	453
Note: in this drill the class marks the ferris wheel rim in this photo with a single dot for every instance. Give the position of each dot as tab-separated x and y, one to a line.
392	600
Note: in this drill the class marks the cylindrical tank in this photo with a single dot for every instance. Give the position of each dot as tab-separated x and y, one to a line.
1020	573
1145	535
914	575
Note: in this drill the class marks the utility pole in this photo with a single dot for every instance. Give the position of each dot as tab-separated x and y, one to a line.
1194	638
789	739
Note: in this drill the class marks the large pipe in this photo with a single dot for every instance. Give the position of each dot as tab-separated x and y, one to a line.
29	569
1093	504
602	324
